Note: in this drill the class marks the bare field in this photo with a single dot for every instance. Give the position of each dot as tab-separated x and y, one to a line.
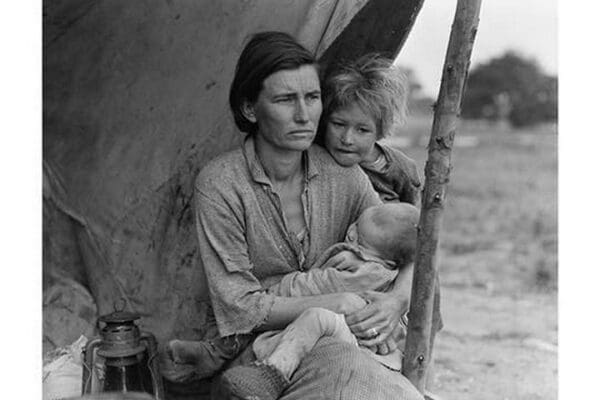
498	265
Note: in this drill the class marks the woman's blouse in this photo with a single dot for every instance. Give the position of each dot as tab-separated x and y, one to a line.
244	243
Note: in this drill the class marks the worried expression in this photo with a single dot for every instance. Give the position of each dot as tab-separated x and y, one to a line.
288	109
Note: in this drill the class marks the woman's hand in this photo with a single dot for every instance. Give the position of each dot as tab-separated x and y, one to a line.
350	303
381	315
391	343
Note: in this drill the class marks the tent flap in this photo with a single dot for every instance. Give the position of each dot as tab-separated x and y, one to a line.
135	103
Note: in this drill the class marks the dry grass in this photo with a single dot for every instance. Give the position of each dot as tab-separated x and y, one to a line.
498	264
500	223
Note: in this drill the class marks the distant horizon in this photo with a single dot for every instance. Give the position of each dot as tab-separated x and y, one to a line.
423	93
527	27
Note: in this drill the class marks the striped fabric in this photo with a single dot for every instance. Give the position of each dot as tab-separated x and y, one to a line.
335	370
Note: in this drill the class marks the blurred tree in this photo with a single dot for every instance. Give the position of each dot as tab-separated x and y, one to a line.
414	86
418	103
511	88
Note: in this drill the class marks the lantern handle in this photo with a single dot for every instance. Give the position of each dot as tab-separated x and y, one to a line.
153	364
88	364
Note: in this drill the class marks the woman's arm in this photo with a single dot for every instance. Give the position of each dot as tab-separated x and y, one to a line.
343	272
287	309
240	303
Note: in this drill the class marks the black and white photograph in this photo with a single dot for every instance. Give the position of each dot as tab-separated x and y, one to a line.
283	199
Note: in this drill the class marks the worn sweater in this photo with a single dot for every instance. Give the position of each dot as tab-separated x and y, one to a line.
398	180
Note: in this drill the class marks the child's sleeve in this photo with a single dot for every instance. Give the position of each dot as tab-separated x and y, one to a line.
340	274
401	176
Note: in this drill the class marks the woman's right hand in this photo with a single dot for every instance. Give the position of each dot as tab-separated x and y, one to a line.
348	303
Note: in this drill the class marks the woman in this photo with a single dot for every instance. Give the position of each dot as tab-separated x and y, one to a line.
272	207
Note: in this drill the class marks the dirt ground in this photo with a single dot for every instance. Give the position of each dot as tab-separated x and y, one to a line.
496	346
498	266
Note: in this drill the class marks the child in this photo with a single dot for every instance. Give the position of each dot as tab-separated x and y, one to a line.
376	249
378	246
363	103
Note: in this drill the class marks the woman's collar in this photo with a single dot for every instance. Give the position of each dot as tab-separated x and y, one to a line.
257	170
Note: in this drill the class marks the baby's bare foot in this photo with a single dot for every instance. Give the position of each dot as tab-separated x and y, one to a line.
186	351
174	371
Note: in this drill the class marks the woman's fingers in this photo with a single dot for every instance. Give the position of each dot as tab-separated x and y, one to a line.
373	349
369	327
386	335
341	261
372	296
334	261
373	323
376	340
391	343
399	332
381	304
362	315
370	331
367	317
383	348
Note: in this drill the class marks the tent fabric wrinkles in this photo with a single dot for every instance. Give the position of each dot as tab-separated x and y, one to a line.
135	103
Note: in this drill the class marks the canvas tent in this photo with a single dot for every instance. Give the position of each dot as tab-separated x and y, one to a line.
134	104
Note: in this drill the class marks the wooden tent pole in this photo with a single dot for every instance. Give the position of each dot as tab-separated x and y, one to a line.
437	174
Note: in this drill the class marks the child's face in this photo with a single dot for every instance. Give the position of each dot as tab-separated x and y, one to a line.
350	135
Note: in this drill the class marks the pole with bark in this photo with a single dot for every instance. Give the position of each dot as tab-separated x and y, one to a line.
420	336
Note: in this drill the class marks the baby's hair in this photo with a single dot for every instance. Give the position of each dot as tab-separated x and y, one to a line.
396	234
375	84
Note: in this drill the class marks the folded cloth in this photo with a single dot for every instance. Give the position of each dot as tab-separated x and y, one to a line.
62	372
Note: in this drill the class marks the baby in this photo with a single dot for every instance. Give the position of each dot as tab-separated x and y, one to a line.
378	247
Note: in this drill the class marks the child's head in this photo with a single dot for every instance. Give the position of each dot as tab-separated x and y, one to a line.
361	103
388	230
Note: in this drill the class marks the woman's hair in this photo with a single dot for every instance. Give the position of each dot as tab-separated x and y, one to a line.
373	83
265	54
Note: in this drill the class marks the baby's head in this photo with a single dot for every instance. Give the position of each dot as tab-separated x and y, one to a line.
388	231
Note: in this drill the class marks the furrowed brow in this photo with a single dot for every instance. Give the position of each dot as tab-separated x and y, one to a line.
285	95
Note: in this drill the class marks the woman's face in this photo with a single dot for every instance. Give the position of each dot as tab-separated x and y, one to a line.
288	109
350	135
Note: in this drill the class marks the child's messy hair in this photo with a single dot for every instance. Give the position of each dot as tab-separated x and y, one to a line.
375	84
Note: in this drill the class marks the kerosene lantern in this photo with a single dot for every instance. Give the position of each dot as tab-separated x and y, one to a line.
122	358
